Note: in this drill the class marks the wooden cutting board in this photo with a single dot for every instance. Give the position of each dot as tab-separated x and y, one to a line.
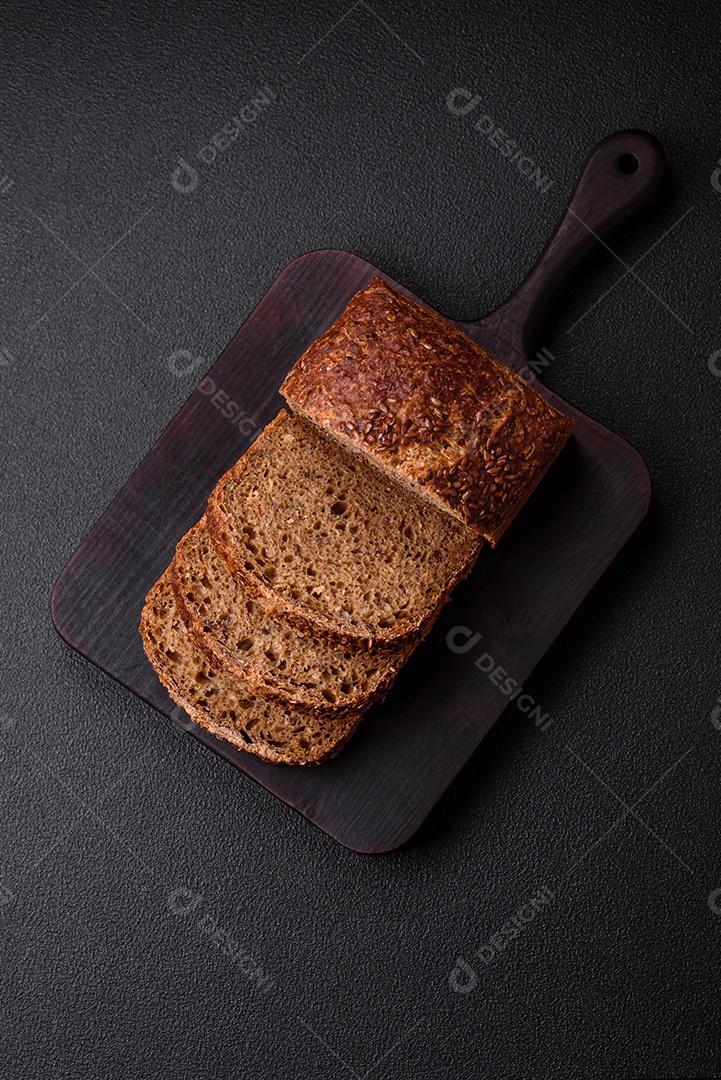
408	750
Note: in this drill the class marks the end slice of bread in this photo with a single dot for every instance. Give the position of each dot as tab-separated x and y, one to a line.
333	545
410	389
222	704
235	633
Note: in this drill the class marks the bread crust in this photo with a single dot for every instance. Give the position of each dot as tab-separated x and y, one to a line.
397	380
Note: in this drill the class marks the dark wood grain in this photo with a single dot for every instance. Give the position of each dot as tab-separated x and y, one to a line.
408	750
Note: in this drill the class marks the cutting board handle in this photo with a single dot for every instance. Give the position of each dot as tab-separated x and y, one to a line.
617	178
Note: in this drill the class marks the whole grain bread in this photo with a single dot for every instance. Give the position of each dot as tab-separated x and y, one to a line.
397	380
223	704
237	635
332	545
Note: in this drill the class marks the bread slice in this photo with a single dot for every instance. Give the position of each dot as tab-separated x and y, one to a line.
223	704
332	545
396	380
235	633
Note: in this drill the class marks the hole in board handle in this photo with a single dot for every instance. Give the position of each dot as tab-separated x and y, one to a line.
627	163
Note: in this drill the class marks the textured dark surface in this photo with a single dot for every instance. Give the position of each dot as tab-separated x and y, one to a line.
106	808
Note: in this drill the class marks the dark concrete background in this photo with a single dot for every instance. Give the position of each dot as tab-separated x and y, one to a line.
107	810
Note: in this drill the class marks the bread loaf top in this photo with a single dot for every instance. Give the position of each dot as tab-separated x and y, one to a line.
397	380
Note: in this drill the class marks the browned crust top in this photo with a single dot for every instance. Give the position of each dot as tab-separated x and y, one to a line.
398	380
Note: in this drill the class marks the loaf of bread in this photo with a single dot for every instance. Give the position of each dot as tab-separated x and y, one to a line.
394	379
223	704
333	546
328	550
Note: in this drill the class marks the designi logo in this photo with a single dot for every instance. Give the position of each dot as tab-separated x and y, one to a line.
461	101
716	178
185	177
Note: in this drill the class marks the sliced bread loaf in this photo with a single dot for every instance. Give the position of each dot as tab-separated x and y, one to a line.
235	633
399	382
223	704
333	545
